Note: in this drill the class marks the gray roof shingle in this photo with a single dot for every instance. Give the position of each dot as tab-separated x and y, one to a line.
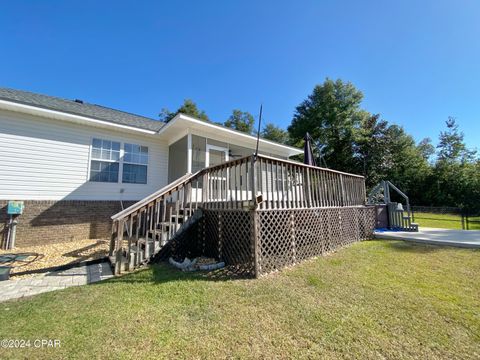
83	109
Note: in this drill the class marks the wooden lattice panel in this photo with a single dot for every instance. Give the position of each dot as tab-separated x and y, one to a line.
229	237
287	236
281	237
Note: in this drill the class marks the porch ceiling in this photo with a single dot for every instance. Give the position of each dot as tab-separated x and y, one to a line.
181	124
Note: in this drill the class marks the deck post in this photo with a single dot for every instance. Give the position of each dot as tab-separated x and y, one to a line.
256	244
113	237
118	248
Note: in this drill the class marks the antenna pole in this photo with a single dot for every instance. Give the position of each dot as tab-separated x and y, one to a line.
258	132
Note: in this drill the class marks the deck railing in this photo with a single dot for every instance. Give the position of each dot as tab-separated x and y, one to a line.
251	182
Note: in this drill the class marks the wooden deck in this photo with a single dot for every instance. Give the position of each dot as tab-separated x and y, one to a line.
249	185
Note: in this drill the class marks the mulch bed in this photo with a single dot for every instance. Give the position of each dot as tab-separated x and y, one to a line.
26	261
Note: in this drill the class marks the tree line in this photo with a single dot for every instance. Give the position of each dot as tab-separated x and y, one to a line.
349	138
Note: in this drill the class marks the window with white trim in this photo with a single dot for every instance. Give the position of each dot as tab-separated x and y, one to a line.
105	161
135	163
107	156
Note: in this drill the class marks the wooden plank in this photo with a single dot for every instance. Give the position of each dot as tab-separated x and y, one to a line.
137	237
279	184
298	196
308	185
130	238
267	181
253	175
256	244
113	238
242	179
170	227
247	181
236	186
272	185
282	170
315	188
342	190
118	248
260	176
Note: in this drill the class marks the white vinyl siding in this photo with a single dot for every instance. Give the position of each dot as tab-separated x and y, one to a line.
44	159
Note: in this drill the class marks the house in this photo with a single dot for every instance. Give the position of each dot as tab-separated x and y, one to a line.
76	164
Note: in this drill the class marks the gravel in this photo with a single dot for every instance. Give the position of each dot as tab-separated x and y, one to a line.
53	255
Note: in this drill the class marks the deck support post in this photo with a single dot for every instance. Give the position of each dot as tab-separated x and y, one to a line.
118	248
113	238
256	244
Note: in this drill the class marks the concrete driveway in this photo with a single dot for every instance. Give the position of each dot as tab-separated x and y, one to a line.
434	236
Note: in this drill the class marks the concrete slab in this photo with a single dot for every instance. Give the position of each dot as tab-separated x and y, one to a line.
434	236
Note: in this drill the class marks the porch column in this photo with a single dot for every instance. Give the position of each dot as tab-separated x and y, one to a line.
189	152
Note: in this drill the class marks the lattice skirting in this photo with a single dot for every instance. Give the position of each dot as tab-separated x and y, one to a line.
253	243
229	236
286	237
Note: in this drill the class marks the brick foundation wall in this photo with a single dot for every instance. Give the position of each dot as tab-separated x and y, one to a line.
44	222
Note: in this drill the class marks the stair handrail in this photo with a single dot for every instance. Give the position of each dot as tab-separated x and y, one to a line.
401	193
165	190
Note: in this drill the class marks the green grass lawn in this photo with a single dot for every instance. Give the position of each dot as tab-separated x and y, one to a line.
375	299
445	221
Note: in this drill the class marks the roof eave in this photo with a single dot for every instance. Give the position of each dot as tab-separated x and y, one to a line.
290	150
61	115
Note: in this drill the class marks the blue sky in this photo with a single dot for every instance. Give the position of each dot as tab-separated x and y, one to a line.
417	62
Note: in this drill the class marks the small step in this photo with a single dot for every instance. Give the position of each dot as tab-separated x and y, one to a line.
166	225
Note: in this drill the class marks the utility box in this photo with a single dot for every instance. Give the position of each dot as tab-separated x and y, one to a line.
15	207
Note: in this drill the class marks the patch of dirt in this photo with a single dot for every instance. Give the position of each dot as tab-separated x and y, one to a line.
43	257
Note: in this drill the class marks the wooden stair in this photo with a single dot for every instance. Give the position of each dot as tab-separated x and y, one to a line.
142	230
141	250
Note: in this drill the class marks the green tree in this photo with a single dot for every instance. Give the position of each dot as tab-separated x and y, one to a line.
426	148
241	121
188	108
329	115
451	146
405	164
371	149
455	180
274	133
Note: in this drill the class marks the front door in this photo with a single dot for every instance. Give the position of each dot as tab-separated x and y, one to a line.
215	155
218	184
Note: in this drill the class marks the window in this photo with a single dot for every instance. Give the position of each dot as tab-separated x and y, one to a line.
105	163
106	160
135	161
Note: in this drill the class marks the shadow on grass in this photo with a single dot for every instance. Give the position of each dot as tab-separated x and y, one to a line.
163	272
412	247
